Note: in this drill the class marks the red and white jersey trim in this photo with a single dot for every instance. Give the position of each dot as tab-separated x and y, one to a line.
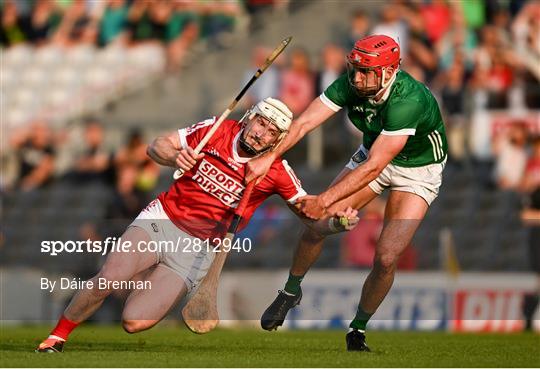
184	132
295	181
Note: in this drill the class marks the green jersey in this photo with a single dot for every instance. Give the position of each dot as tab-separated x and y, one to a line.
408	109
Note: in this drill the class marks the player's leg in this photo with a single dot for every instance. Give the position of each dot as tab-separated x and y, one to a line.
306	253
119	266
404	213
310	244
146	307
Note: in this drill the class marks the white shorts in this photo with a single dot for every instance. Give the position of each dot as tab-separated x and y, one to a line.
423	181
189	265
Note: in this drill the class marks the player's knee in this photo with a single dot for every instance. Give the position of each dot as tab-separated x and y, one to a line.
134	326
310	236
385	263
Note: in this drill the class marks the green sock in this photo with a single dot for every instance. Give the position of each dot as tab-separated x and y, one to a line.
360	319
293	284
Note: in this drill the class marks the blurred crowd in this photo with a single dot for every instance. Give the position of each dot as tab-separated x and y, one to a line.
40	156
176	24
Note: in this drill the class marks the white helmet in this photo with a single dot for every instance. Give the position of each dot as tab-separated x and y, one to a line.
276	112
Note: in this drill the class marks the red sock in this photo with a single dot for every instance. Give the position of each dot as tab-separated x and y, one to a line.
64	328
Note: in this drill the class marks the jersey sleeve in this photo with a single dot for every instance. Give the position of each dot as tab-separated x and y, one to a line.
191	136
287	184
337	94
402	118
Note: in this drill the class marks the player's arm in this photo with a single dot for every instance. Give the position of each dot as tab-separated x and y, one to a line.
384	149
315	114
168	150
342	221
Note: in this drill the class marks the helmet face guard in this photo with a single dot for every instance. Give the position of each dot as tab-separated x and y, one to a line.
275	114
248	126
366	81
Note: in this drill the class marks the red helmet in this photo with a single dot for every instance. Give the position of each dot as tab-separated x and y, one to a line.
371	56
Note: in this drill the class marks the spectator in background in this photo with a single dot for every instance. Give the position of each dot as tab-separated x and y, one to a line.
44	20
15	29
511	156
145	24
182	32
297	82
113	22
436	17
501	22
333	65
421	54
258	9
392	24
218	19
268	83
491	72
453	85
164	22
128	200
76	26
526	31
531	178
134	169
36	156
92	161
457	42
358	29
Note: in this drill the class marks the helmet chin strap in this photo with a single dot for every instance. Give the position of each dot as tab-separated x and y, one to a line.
385	87
247	148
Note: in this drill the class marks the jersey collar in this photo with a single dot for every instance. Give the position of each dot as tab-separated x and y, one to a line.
237	158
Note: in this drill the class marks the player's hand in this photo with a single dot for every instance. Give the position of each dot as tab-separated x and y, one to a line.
312	207
258	167
348	218
186	159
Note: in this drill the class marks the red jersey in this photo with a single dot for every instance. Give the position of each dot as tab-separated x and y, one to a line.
203	200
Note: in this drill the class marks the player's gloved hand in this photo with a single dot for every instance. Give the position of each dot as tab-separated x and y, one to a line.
345	220
186	159
258	167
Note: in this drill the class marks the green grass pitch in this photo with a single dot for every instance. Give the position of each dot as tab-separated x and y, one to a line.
167	346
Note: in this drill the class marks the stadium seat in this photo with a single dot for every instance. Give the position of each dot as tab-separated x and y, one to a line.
16	56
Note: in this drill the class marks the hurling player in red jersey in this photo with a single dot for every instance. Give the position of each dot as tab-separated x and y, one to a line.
188	219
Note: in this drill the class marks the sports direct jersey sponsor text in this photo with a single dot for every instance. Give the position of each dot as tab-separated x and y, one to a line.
213	181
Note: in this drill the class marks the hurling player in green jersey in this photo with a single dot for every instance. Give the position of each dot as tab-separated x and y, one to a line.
404	150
